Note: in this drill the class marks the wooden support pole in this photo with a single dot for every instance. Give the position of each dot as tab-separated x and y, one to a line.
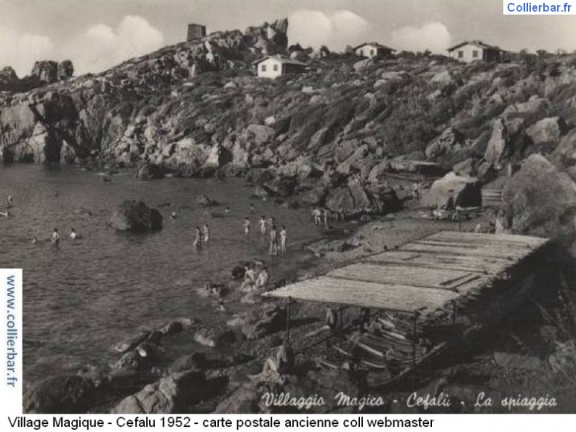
288	301
414	337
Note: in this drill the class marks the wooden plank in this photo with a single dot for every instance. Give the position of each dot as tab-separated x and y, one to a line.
488	238
365	294
512	256
404	275
490	266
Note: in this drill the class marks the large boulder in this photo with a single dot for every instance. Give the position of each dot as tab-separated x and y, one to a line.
262	322
449	141
8	79
46	71
547	131
65	70
541	200
564	156
453	190
498	145
60	395
148	171
260	134
135	216
173	394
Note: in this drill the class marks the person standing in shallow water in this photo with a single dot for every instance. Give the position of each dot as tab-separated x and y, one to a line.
283	235
55	237
262	226
325	215
206	233
246	227
73	234
198	239
273	240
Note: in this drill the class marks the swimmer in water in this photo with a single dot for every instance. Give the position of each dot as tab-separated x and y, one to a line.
34	240
173	216
5	214
247	227
227	210
55	237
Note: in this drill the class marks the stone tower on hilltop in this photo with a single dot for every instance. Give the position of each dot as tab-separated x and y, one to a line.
196	31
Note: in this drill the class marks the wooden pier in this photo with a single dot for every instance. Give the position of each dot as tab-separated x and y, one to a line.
426	293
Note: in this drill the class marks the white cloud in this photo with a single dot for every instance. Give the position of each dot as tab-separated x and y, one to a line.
21	50
433	36
97	49
315	28
102	46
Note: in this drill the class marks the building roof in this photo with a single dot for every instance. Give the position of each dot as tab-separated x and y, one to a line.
477	43
376	44
280	58
422	276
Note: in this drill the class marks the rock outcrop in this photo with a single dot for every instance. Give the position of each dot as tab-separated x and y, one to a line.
541	200
60	395
137	217
453	190
176	393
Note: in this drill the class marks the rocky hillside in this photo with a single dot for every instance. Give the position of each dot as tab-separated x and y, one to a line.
196	109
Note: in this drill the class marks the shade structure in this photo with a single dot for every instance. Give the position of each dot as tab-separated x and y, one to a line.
421	276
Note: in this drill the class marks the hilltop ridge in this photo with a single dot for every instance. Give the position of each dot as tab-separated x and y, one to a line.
330	136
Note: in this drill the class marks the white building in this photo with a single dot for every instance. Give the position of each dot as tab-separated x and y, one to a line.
373	49
476	50
275	66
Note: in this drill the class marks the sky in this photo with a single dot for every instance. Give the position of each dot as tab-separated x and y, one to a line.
97	34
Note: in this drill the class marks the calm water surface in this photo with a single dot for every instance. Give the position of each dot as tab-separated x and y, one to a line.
86	295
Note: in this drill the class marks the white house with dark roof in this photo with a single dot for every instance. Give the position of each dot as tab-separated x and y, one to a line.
373	49
476	50
275	66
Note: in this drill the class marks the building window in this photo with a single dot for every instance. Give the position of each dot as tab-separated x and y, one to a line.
372	52
475	54
263	68
460	54
275	68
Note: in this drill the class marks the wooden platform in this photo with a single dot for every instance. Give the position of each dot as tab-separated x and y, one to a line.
424	275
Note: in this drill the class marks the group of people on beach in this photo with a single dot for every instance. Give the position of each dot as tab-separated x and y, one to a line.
267	227
255	277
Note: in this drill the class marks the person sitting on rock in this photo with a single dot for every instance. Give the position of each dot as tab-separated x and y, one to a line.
262	279
279	366
249	278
